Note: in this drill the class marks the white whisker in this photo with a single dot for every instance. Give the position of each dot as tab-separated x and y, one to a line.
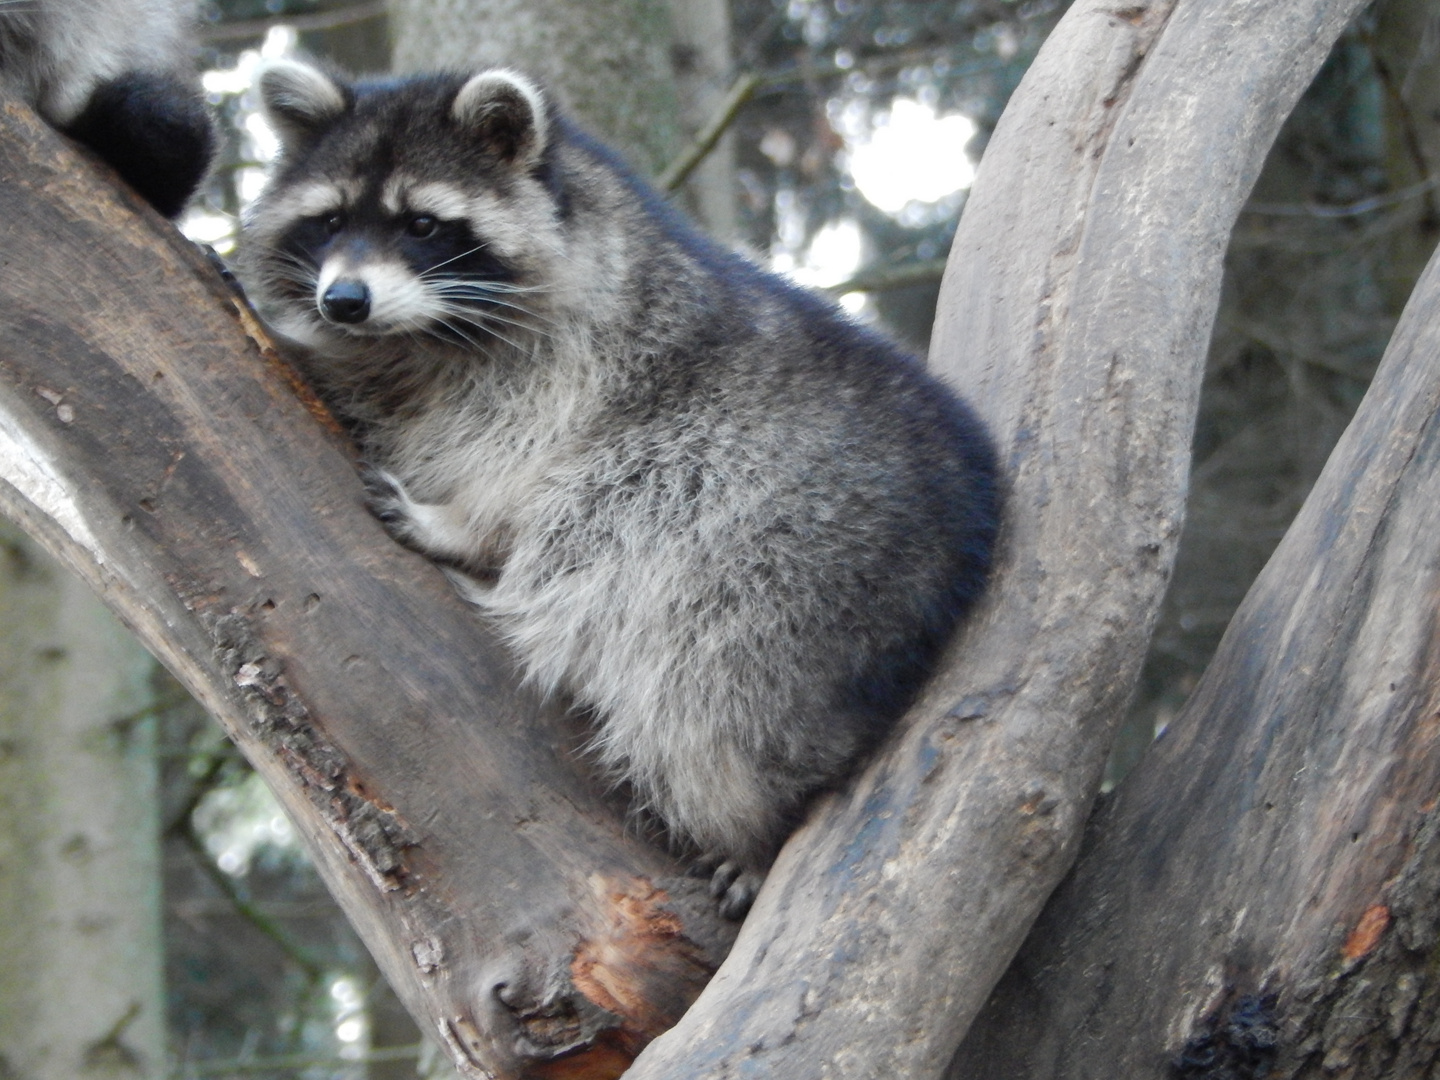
482	318
489	301
450	260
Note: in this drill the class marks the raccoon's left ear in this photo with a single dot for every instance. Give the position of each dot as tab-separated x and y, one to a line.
300	100
507	112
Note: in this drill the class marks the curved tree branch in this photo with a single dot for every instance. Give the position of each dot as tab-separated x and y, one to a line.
1276	856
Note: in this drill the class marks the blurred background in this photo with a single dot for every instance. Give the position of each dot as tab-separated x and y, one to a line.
147	875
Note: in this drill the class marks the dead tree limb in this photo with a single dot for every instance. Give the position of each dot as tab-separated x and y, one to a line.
1264	887
152	440
1076	313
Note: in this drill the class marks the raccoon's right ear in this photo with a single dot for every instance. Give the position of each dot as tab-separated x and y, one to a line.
506	111
299	100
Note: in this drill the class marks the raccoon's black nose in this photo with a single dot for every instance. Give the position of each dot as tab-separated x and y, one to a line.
346	302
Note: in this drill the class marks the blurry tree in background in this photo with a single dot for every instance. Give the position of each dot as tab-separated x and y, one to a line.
259	964
81	991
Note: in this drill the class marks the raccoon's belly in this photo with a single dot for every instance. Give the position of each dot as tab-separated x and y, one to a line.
660	607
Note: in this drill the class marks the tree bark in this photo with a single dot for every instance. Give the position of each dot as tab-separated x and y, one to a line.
151	439
1262	890
82	991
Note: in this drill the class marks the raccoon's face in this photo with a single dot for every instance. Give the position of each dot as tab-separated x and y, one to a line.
417	209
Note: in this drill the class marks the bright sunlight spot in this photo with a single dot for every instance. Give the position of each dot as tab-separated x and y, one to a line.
911	156
243	822
208	226
352	1027
831	257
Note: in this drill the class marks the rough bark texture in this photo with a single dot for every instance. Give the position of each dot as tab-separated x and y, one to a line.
152	440
81	985
1075	313
1261	894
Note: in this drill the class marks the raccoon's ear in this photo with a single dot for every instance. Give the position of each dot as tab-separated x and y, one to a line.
299	100
507	112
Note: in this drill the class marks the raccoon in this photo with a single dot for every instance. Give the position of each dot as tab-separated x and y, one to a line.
115	75
731	524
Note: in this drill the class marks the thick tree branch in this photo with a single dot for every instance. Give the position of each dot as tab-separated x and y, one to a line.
1075	313
1276	854
151	438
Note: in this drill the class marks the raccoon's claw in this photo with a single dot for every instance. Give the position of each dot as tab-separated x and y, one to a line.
735	888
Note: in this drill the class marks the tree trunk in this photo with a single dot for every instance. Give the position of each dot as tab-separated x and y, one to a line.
608	62
81	988
644	75
703	71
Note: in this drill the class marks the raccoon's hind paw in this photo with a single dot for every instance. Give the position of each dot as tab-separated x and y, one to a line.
731	885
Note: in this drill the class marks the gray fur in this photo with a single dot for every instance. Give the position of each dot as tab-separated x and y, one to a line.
700	503
54	53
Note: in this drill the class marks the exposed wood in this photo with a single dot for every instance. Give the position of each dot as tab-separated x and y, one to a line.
1270	871
1075	313
152	440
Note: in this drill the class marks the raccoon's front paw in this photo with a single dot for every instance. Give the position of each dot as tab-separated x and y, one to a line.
385	498
731	885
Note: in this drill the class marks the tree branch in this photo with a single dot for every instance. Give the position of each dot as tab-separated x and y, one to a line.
1279	845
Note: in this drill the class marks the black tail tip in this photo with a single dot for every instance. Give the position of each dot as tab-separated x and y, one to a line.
155	130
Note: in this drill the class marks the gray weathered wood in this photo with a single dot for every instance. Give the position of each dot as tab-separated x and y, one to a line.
1075	313
152	440
1281	838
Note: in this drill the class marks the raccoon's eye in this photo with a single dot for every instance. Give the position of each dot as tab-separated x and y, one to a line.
422	226
334	222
